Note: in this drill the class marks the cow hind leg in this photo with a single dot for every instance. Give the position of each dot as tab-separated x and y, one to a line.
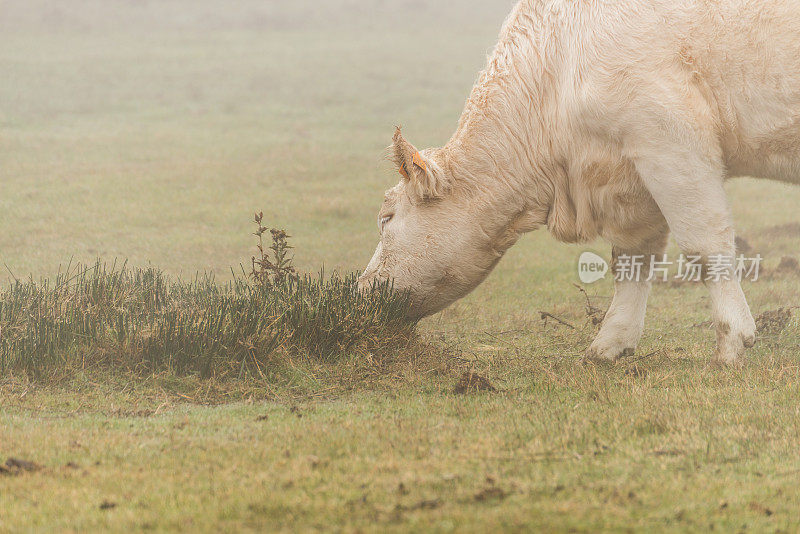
686	183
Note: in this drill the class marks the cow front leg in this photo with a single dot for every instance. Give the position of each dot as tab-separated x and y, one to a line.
687	185
623	323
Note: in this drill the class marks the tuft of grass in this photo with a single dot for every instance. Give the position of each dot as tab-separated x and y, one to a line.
140	319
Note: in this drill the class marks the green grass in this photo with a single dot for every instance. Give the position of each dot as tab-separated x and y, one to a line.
101	316
137	319
150	132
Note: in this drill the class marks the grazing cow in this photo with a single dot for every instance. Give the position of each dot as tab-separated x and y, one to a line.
619	119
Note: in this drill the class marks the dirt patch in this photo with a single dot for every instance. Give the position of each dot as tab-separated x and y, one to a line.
491	493
472	381
124	414
773	321
759	508
783	230
636	372
669	452
788	264
15	466
427	504
107	505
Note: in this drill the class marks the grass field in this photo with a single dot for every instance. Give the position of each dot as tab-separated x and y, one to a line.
151	132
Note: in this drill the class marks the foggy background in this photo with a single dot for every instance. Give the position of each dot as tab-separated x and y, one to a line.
152	130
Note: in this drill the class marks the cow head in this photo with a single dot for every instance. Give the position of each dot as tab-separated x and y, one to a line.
438	238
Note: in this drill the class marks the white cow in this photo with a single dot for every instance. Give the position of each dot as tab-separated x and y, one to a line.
612	118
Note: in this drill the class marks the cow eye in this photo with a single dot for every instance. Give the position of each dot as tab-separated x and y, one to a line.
383	220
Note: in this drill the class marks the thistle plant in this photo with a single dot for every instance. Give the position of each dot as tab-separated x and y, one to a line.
274	266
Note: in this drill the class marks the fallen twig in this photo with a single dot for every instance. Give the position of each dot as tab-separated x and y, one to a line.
545	315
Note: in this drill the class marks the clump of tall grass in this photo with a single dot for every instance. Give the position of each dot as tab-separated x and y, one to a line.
141	319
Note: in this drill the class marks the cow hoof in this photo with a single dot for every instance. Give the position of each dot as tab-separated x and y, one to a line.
726	358
598	354
731	345
730	353
749	340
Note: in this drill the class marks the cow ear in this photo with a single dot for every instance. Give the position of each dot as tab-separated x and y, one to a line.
422	173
